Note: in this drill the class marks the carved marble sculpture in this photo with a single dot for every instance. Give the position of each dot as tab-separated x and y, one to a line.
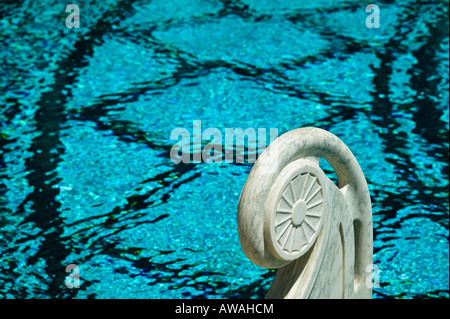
291	216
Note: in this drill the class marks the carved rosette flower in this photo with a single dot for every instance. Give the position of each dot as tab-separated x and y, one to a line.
298	213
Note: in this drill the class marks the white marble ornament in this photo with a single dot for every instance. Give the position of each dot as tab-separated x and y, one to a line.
291	216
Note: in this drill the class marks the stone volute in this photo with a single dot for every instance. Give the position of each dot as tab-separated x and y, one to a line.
292	217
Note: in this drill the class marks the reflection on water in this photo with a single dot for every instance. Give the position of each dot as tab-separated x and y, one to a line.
86	116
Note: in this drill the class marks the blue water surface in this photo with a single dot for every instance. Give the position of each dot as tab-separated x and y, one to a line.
86	116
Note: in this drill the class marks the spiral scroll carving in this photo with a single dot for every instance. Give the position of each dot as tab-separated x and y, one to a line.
292	217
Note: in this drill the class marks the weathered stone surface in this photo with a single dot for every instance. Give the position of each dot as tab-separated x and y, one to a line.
291	216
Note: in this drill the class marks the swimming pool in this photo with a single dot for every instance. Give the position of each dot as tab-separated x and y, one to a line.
86	116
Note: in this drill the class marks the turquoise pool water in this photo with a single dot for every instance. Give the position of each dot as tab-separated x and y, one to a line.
86	116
